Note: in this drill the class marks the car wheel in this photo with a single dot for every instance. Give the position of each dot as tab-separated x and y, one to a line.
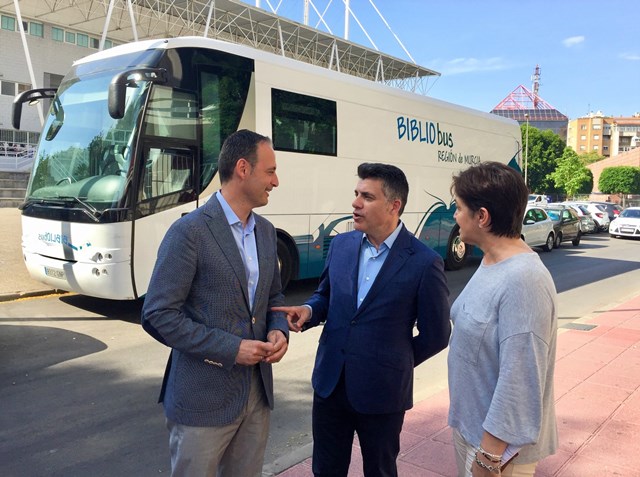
548	246
558	241
576	241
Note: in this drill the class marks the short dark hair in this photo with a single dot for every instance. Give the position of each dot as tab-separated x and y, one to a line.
242	144
498	188
394	182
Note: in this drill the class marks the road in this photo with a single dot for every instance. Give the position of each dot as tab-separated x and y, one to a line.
79	378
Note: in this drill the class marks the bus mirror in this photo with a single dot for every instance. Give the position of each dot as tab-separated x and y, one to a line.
31	96
117	96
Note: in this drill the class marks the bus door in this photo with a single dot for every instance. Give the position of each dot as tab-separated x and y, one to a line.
168	189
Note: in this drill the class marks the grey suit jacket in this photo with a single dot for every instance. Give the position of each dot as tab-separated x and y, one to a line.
198	305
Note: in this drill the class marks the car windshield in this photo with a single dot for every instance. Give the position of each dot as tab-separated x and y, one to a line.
630	214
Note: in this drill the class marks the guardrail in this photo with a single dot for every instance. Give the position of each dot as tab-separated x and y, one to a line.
16	160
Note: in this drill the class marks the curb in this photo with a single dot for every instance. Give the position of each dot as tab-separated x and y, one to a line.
32	294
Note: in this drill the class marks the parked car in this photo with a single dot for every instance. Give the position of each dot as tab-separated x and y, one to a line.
537	228
598	214
537	199
613	210
627	224
587	224
566	225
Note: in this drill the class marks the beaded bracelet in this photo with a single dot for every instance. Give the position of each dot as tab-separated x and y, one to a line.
490	456
490	468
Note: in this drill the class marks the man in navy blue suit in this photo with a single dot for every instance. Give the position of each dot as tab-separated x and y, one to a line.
378	283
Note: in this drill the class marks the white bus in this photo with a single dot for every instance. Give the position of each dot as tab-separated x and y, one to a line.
132	139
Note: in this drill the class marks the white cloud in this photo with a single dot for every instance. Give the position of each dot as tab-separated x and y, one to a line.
468	65
573	41
630	56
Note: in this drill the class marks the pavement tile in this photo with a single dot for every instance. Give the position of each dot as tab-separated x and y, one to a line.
589	405
424	424
629	411
597	353
550	465
434	404
433	456
302	469
407	470
605	445
582	466
606	377
572	437
409	440
572	370
445	436
571	340
623	337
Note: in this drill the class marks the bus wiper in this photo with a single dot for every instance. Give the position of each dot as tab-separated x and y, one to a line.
94	212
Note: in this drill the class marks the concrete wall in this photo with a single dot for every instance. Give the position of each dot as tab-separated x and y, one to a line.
629	158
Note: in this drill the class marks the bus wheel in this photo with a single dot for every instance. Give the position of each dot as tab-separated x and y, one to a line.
457	251
285	263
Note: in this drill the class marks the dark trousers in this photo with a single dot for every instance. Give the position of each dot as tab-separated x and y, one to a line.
334	423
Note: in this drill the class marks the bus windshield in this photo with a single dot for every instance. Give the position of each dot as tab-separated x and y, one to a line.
84	154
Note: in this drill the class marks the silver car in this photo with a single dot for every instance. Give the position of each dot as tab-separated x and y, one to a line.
537	228
587	224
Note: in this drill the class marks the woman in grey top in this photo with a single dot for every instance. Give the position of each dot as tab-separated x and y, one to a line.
503	345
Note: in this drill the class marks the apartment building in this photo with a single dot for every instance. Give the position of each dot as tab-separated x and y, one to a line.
605	135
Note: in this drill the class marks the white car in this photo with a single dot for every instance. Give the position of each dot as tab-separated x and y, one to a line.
537	228
598	213
537	199
627	224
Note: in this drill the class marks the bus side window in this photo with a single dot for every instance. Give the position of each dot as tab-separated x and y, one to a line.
302	123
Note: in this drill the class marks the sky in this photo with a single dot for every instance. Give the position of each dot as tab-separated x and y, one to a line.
588	51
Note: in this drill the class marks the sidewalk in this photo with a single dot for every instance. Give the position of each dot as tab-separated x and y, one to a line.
16	281
597	388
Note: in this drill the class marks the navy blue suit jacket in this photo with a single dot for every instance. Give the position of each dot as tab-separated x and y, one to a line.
375	344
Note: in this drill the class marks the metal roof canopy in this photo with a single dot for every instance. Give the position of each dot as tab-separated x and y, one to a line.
229	20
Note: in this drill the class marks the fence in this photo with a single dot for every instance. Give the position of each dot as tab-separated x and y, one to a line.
16	157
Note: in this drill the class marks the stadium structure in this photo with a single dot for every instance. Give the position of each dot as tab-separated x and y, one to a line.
527	107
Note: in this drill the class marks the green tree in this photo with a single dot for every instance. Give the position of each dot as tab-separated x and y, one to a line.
572	175
620	180
544	149
590	157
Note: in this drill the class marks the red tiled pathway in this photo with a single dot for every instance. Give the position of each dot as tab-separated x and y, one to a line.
597	386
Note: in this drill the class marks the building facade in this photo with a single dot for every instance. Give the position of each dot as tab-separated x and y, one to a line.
605	135
52	49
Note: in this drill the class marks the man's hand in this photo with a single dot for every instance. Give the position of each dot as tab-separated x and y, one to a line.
280	346
252	352
297	316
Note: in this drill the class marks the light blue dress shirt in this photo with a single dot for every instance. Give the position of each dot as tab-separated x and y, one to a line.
371	261
245	238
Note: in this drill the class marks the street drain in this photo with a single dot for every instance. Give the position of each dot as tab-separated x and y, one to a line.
579	326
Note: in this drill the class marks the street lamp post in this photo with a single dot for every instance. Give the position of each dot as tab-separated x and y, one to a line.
526	149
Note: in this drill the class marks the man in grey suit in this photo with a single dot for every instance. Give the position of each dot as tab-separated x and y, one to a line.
210	298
